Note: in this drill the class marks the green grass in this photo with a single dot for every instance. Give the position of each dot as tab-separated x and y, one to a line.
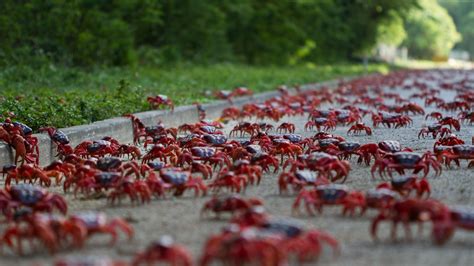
61	97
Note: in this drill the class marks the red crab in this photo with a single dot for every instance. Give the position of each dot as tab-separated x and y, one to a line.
285	147
381	198
156	185
466	117
450	140
410	108
359	127
211	156
163	153
191	140
136	190
321	122
23	142
230	113
457	152
300	179
60	139
322	113
435	115
25	195
347	117
242	91
238	246
413	210
96	148
401	161
286	127
49	230
434	100
265	127
455	106
23	150
243	167
295	240
323	145
201	111
304	244
435	130
181	180
215	140
328	165
230	204
245	127
443	230
389	120
96	181
198	167
265	160
451	122
405	184
129	150
298	139
138	128
224	95
231	181
164	251
97	222
251	217
333	194
156	101
324	135
345	150
31	173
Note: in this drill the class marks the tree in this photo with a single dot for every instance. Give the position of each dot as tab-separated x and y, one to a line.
463	16
431	31
391	31
467	30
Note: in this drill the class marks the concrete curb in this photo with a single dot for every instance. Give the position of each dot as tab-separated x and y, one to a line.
121	128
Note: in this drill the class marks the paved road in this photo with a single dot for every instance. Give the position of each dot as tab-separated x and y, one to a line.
179	217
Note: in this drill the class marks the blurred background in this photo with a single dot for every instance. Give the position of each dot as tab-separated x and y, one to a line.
160	32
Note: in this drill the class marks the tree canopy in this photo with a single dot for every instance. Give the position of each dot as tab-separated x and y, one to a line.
122	32
462	13
431	31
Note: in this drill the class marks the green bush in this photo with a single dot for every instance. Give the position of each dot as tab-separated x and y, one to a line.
118	32
431	31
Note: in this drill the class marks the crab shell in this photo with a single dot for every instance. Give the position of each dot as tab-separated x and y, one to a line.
400	182
391	146
107	178
294	138
332	193
464	150
407	159
215	139
306	176
203	152
60	137
107	163
175	177
348	146
380	198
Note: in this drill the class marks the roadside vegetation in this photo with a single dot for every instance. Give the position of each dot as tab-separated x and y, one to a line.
67	97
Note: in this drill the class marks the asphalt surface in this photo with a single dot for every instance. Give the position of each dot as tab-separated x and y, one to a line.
179	217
